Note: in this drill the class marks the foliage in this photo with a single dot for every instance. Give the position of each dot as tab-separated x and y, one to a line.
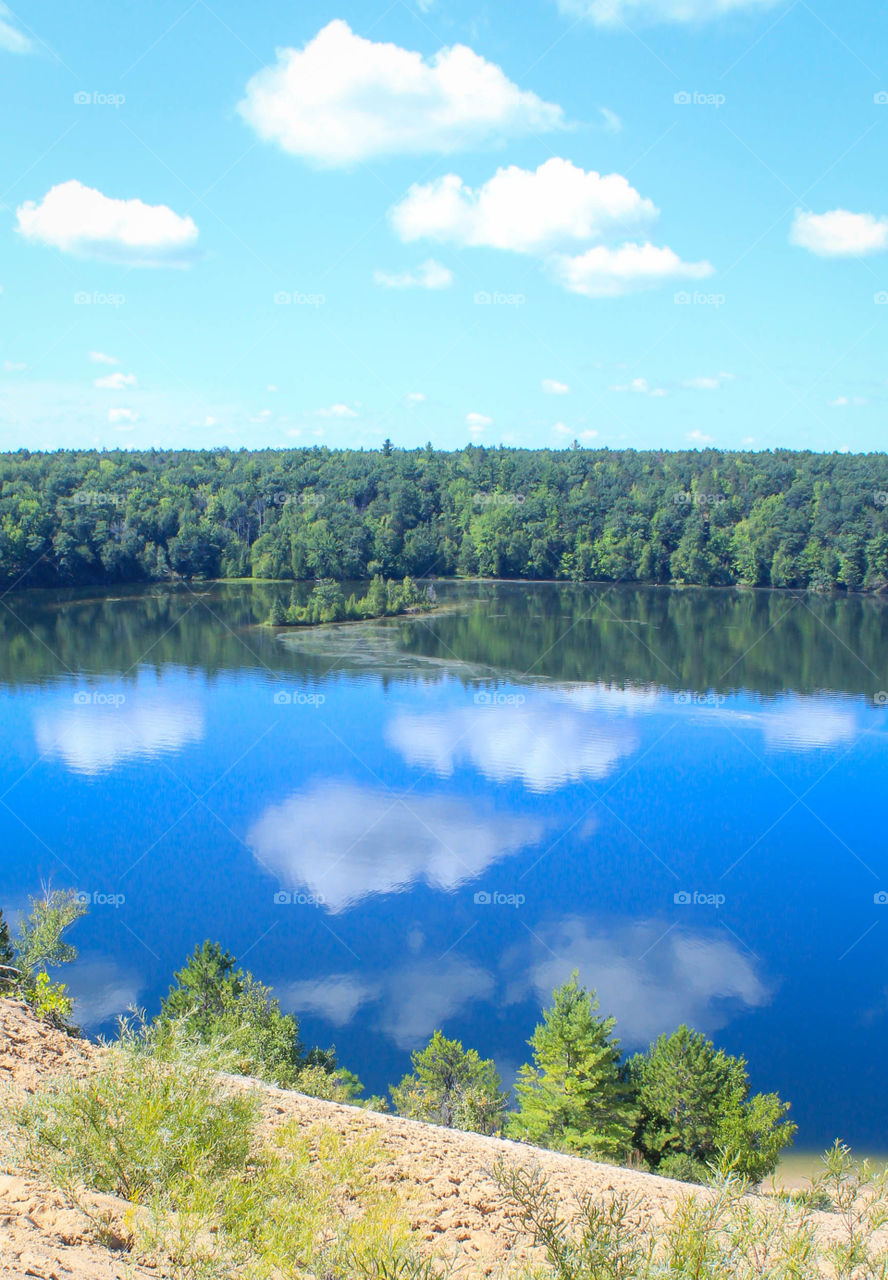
327	603
572	1097
452	1087
725	1234
153	1124
39	945
221	1004
694	1106
782	519
149	1116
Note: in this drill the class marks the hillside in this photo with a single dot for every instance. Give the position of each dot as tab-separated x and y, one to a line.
443	1177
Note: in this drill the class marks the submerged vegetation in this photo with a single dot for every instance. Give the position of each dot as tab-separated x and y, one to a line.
779	519
327	603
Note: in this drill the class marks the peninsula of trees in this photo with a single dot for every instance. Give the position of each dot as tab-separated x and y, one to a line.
781	519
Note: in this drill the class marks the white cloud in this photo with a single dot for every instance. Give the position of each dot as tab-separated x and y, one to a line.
523	210
99	357
122	416
561	429
82	221
14	366
116	381
651	978
839	234
604	272
11	39
842	402
553	388
540	745
617	13
808	724
641	387
699	437
336	411
710	383
95	737
345	842
416	397
343	98
428	275
612	122
476	422
336	998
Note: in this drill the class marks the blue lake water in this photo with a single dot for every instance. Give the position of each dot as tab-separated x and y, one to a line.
429	823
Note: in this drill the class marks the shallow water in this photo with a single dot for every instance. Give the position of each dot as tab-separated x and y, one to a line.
429	822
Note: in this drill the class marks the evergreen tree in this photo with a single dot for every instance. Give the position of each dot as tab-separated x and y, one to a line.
452	1087
7	955
695	1108
573	1097
207	985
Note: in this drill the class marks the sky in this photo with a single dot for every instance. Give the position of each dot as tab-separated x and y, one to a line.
628	223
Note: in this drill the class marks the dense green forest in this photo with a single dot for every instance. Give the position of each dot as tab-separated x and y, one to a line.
781	519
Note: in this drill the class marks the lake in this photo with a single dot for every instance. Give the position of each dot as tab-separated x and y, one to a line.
430	822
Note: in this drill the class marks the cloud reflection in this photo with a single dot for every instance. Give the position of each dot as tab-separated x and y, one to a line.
95	737
343	842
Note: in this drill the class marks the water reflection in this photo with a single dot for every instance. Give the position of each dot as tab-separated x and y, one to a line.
342	842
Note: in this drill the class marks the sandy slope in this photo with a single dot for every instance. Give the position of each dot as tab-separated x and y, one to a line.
442	1176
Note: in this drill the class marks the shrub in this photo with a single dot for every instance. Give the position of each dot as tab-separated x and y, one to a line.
452	1087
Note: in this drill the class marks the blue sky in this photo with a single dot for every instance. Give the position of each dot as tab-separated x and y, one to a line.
637	223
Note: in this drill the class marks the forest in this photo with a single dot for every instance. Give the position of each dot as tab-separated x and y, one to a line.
771	519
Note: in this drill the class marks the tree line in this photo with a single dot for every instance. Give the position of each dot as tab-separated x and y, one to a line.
683	1108
777	518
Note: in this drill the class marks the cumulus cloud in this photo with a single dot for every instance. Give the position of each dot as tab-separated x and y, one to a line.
344	842
699	437
11	39
605	272
343	99
14	366
99	357
641	387
615	13
478	421
82	221
548	212
336	411
652	978
416	397
541	745
428	275
839	234
526	211
553	388
122	417
101	989
116	381
94	737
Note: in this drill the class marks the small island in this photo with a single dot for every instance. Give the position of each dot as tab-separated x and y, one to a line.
385	598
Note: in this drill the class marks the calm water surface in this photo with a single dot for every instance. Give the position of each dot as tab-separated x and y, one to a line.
429	823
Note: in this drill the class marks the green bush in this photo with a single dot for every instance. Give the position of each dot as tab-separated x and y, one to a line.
453	1087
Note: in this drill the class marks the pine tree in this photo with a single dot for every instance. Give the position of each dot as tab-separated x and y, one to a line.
573	1097
206	987
694	1107
452	1086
